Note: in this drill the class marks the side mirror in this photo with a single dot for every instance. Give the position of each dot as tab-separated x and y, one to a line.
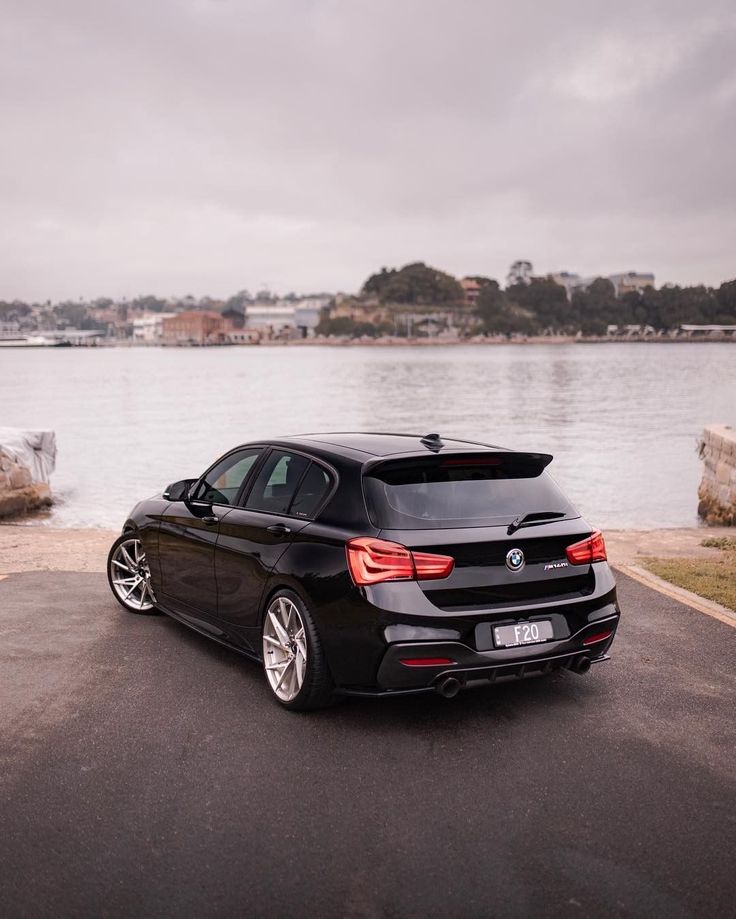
179	491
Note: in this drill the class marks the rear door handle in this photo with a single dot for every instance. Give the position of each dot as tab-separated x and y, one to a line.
278	529
210	520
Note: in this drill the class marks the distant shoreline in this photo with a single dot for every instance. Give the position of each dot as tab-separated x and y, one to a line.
387	342
532	340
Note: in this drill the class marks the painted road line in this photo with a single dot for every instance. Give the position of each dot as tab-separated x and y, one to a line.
709	607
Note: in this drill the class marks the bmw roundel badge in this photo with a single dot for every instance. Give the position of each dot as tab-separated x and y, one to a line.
515	559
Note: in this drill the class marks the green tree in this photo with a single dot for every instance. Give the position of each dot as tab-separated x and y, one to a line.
545	301
595	308
102	303
499	315
492	308
347	327
238	301
685	304
376	283
725	298
631	309
13	311
149	303
417	284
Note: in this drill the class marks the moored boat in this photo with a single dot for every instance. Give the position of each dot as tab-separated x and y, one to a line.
33	341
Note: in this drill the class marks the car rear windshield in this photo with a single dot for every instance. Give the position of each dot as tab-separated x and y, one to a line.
444	492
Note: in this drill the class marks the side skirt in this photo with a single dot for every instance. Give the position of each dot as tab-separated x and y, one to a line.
208	630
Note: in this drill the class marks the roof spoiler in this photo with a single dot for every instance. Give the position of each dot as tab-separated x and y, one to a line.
535	462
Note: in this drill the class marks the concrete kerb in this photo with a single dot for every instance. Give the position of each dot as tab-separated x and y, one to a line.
687	597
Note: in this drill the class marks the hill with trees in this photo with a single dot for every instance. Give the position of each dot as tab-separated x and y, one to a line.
416	284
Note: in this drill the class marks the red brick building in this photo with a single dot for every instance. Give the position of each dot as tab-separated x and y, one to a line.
194	327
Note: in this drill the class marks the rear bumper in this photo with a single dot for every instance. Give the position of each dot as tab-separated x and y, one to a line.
471	666
365	636
486	675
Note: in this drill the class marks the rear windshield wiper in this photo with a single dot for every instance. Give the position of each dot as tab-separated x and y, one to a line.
532	517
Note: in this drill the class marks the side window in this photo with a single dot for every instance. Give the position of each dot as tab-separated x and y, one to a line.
315	485
276	483
223	481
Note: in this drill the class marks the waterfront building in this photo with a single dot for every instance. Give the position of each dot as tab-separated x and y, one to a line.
629	281
707	331
243	337
623	283
150	328
193	327
272	316
308	313
299	317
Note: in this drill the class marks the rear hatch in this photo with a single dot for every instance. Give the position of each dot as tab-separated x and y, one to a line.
479	508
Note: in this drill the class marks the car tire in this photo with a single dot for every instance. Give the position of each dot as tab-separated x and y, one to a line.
129	576
293	659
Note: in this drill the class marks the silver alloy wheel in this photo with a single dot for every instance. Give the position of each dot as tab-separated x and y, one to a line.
284	648
131	576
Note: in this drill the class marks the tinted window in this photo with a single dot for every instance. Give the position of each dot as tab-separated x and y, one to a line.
222	483
315	485
442	493
277	482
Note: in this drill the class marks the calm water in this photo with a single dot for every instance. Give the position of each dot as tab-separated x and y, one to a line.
621	420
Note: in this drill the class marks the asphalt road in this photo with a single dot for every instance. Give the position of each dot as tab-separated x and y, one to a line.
146	772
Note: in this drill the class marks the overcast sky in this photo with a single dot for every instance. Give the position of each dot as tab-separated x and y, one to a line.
205	146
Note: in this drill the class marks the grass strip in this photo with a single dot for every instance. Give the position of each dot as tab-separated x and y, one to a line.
712	578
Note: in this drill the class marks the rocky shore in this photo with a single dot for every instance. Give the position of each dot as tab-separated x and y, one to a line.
19	493
717	492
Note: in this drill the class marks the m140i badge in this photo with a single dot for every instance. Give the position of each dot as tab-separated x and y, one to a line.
552	565
514	559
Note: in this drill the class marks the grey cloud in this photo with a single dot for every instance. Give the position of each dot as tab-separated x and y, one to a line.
208	146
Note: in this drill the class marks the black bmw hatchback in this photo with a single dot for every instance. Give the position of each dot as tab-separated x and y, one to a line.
374	564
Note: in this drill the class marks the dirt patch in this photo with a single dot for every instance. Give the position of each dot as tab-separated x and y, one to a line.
40	548
630	547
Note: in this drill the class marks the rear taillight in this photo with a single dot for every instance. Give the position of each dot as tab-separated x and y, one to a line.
373	560
429	566
592	549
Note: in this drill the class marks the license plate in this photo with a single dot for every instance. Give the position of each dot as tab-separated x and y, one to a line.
523	633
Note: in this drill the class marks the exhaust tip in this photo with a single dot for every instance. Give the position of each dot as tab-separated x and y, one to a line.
581	665
449	687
